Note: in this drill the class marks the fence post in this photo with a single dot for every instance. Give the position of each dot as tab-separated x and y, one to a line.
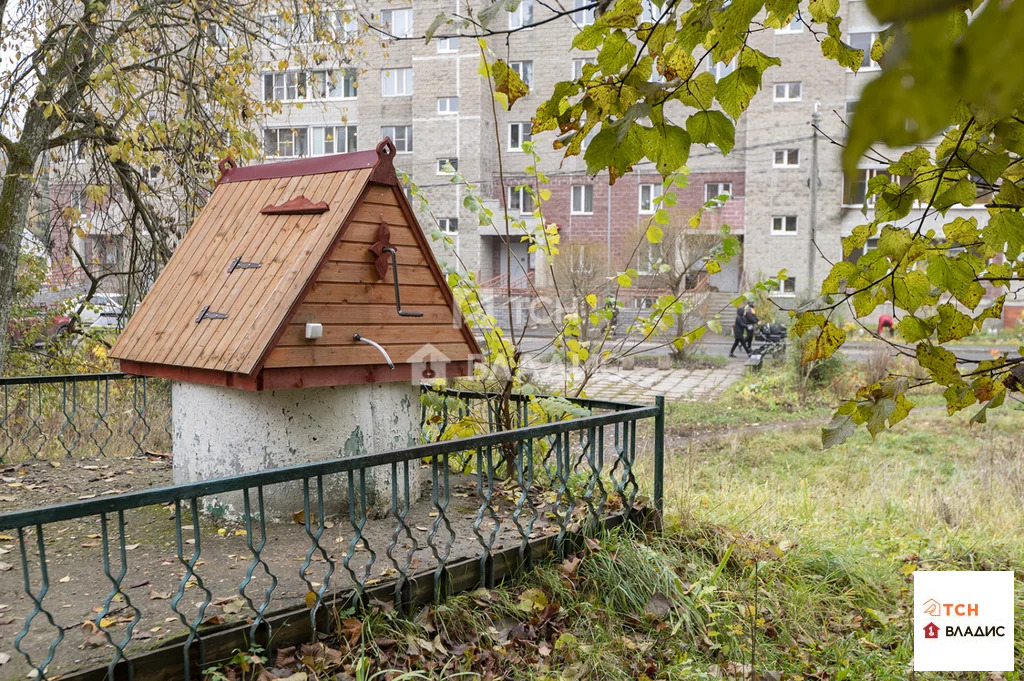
659	454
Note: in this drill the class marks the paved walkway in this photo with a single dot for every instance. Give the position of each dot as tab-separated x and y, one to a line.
642	384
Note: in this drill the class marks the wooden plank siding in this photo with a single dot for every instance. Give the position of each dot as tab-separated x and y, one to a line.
348	297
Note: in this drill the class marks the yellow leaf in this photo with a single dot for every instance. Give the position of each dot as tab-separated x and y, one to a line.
592	300
65	579
311	599
624	280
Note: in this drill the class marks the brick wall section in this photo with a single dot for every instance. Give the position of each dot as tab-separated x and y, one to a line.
615	224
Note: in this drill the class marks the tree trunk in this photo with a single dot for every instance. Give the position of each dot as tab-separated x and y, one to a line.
15	199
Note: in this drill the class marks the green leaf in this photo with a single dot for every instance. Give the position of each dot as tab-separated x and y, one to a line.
624	280
674	150
823	10
737	89
953	324
1004	233
711	127
838	430
508	82
956	276
616	52
654	234
940	364
698	92
914	329
825	344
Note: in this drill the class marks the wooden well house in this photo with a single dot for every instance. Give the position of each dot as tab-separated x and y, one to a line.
309	286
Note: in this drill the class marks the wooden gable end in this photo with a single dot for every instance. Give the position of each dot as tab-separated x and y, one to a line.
348	297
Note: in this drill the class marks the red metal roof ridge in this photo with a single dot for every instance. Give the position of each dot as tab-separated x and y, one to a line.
380	158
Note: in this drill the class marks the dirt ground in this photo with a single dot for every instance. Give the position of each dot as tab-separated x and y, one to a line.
78	587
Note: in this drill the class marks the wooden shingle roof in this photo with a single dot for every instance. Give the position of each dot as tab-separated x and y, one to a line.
285	243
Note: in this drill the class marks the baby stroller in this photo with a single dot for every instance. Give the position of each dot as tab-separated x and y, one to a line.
771	339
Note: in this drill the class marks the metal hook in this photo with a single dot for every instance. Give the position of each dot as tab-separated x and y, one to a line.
398	296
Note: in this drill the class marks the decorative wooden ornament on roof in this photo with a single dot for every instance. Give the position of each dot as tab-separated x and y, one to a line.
307	244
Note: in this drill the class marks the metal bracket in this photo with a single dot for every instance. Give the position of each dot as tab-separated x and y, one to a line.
398	296
239	264
206	314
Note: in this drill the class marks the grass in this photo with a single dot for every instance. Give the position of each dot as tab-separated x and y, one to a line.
775	554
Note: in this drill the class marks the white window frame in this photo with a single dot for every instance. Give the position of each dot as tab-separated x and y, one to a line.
583	17
454	161
397	21
871	64
646	256
339	133
340	79
524	69
781	292
448	225
401	79
578	64
518	196
444	105
522	15
868	174
787	88
295	133
581	194
404	143
787	158
654	190
720	69
719	186
780	224
794	26
448	45
522	136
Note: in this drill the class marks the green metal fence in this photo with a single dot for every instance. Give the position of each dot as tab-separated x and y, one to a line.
108	414
155	582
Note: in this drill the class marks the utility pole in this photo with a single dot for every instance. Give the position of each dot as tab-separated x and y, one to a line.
813	184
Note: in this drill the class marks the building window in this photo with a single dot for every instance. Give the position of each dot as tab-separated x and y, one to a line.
787	92
333	84
577	66
152	172
855	187
520	199
794	26
714	190
285	87
401	135
518	133
334	139
80	201
648	194
524	69
583	17
397	22
786	158
446	45
784	224
343	25
285	142
786	287
522	15
448	225
648	257
582	199
447	105
443	163
78	151
396	82
864	41
720	70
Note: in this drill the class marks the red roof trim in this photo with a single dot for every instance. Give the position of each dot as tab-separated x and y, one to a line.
381	159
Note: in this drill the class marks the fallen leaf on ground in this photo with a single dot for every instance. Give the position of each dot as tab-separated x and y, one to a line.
131	547
4	658
4	567
158	596
65	579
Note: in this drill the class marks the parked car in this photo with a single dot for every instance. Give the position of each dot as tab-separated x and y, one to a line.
35	330
103	311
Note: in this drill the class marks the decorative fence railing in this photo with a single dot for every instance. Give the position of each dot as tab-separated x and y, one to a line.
108	414
159	584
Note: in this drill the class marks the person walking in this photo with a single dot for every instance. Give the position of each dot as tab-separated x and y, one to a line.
739	329
751	321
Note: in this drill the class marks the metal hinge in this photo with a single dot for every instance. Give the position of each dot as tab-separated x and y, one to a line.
206	314
239	264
